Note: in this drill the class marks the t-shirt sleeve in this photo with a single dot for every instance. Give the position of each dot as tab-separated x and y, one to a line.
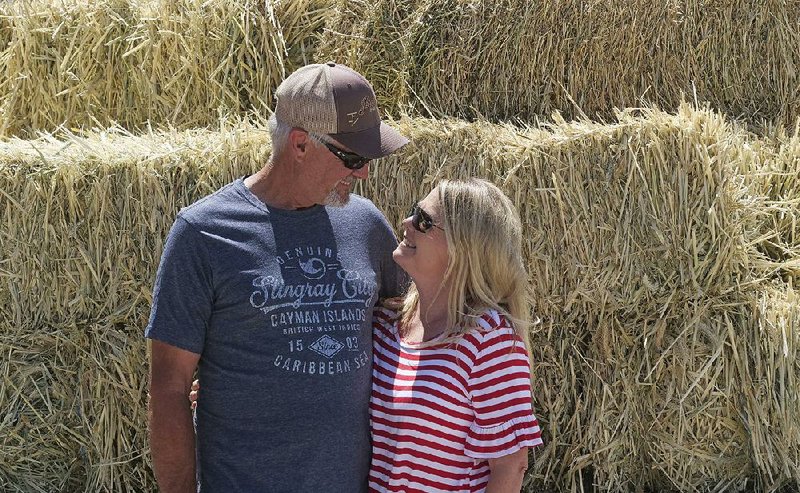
500	389
182	294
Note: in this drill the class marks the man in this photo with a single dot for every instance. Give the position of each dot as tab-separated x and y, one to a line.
269	283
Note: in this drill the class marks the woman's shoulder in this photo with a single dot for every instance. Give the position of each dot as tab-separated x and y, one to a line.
492	321
494	330
498	343
385	317
384	312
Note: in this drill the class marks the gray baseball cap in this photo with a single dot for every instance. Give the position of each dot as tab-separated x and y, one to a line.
329	98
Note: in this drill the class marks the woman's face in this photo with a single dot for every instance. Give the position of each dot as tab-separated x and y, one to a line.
423	254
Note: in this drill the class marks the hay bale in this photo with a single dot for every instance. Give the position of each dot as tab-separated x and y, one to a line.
779	182
642	245
301	24
520	60
184	62
771	407
74	416
138	63
51	72
114	401
43	440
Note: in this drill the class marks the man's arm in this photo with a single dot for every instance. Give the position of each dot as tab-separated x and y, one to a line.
506	473
171	430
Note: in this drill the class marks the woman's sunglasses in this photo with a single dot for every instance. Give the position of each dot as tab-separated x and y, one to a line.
421	220
350	160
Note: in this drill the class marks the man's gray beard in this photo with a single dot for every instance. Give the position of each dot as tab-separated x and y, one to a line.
335	200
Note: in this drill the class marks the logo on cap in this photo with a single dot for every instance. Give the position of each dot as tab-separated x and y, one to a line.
367	104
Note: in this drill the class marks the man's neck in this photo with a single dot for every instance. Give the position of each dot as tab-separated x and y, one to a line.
276	186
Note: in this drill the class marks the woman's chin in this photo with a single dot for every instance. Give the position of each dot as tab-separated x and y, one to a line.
402	256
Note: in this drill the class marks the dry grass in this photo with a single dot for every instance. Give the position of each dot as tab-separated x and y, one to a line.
85	222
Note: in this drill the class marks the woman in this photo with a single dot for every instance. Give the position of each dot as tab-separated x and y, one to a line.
451	398
450	408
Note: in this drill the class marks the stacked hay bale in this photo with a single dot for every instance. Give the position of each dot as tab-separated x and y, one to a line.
183	63
662	248
770	388
373	38
665	358
780	183
521	59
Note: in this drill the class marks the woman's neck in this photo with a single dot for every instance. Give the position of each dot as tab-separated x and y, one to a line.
431	318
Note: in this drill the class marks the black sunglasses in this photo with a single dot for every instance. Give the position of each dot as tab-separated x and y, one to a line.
350	160
421	220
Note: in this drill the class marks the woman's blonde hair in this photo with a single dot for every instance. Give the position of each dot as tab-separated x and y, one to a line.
485	268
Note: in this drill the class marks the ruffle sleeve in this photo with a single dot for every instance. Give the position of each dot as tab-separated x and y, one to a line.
503	439
500	394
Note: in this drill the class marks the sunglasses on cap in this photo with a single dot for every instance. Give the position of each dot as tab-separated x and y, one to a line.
350	160
421	220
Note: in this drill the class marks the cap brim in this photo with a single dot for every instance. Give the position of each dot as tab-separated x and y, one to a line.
372	143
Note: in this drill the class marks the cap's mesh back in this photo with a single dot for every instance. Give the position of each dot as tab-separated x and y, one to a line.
305	100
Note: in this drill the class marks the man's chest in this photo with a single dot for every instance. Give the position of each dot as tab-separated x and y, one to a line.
304	309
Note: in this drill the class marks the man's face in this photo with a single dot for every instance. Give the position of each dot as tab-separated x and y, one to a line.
333	180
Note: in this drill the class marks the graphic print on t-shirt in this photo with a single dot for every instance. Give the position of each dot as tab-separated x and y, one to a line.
319	305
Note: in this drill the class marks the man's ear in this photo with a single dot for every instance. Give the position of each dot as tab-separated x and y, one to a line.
299	141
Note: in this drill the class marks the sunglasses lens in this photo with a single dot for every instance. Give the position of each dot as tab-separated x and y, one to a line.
414	217
420	220
355	162
349	159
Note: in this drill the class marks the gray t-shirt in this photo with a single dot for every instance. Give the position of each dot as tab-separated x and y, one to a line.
278	304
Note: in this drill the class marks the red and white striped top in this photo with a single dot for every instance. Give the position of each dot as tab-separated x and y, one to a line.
437	413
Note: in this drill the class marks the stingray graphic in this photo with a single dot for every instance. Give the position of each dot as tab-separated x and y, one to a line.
313	268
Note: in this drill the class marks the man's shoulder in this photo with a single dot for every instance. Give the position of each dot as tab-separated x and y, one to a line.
215	205
364	209
363	204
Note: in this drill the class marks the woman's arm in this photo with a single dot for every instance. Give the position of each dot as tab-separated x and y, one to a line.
506	472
